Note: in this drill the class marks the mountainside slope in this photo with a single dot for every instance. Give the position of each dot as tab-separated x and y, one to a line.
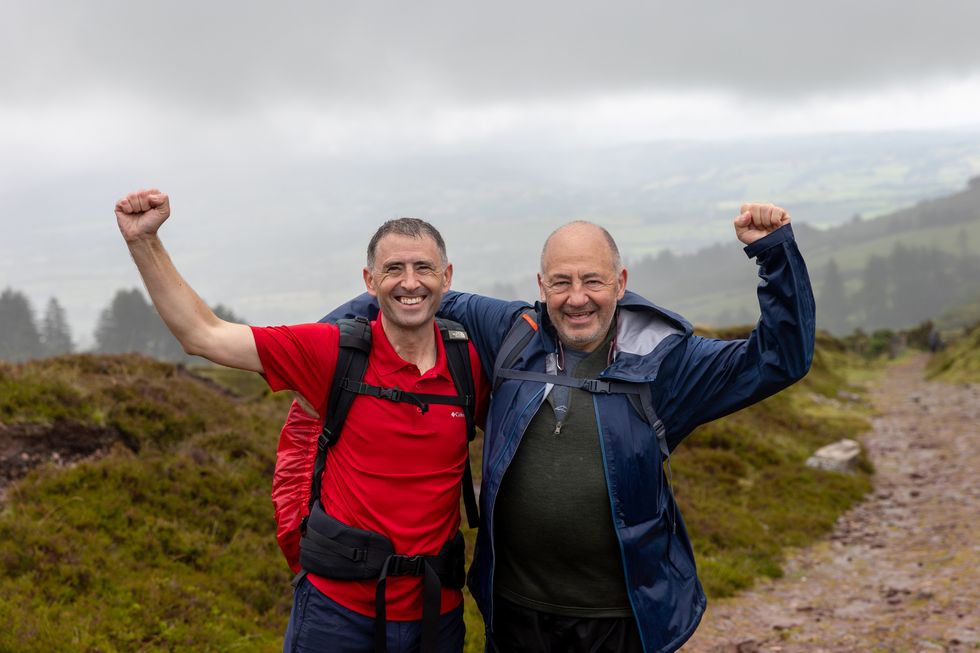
959	363
162	542
164	538
716	285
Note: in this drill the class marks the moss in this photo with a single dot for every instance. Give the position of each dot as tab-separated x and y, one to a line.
744	489
167	541
959	362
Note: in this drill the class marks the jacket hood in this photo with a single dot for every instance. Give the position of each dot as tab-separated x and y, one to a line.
645	334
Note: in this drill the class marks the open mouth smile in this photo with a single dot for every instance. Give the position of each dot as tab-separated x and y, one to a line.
579	317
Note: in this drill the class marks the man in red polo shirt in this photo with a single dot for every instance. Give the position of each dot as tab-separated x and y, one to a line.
397	469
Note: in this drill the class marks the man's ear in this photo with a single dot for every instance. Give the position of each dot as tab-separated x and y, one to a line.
369	283
448	280
622	283
541	288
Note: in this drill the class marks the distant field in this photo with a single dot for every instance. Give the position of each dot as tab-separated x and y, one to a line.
851	258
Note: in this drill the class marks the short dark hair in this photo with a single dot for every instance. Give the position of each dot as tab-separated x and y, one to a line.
413	227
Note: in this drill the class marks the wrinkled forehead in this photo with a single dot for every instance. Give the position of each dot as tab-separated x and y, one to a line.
407	249
577	250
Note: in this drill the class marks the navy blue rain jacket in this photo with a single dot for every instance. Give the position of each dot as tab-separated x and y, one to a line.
692	380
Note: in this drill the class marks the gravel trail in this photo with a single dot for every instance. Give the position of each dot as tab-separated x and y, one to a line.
901	571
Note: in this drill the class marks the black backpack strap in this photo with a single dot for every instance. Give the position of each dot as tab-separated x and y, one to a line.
347	383
445	569
352	362
638	394
595	386
456	343
517	338
419	399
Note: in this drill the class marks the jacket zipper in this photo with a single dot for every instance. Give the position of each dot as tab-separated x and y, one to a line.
612	509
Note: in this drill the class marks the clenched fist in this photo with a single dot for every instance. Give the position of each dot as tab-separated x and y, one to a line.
141	213
758	220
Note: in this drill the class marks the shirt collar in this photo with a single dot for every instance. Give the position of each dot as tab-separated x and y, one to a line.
386	360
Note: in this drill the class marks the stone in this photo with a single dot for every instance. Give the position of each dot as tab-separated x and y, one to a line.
841	456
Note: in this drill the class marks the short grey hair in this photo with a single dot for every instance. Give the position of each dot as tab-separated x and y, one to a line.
413	227
610	241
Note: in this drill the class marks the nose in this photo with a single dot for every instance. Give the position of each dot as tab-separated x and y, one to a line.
577	296
410	280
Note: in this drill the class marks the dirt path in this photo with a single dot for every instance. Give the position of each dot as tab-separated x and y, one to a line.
901	572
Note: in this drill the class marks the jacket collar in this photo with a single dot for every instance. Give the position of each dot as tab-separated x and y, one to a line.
645	333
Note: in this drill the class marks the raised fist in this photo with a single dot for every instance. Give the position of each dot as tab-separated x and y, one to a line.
758	220
141	213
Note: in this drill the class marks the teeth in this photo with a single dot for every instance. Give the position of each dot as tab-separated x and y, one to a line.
410	300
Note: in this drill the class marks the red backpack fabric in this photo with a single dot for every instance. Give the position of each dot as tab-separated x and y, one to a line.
293	478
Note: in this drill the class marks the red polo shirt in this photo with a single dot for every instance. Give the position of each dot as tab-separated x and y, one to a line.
394	470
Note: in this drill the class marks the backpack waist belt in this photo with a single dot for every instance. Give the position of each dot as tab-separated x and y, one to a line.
332	549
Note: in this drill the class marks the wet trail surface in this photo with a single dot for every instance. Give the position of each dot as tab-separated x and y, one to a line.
901	571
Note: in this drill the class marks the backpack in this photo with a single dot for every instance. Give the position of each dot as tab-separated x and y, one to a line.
332	549
352	362
303	443
518	337
638	394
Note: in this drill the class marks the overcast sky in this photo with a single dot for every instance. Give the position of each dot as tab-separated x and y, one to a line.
287	131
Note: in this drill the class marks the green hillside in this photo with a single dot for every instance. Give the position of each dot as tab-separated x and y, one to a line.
164	541
960	362
160	536
716	285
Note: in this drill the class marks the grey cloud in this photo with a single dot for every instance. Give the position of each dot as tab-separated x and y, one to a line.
226	54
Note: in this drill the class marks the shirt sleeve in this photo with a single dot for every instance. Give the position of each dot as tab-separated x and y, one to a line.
302	358
706	378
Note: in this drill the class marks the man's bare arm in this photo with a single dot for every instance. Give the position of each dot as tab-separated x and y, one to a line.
199	331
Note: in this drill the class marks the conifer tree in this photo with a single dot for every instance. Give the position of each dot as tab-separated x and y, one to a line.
874	297
19	337
55	332
128	325
833	307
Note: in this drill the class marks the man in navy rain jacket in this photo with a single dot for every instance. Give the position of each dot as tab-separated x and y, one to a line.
582	547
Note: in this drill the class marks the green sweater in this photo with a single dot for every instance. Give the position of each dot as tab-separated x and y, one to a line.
556	546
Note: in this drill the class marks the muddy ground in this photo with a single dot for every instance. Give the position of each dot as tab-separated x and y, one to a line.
901	572
25	446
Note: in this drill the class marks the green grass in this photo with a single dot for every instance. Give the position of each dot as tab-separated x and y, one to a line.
960	362
166	542
167	549
741	482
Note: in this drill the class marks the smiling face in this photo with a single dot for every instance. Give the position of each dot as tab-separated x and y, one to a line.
580	281
409	278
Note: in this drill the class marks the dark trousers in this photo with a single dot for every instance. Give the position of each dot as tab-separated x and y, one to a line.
318	624
517	629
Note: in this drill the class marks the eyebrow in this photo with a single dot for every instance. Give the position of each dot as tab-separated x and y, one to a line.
399	262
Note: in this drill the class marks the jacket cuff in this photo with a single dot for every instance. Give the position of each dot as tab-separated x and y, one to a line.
779	236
